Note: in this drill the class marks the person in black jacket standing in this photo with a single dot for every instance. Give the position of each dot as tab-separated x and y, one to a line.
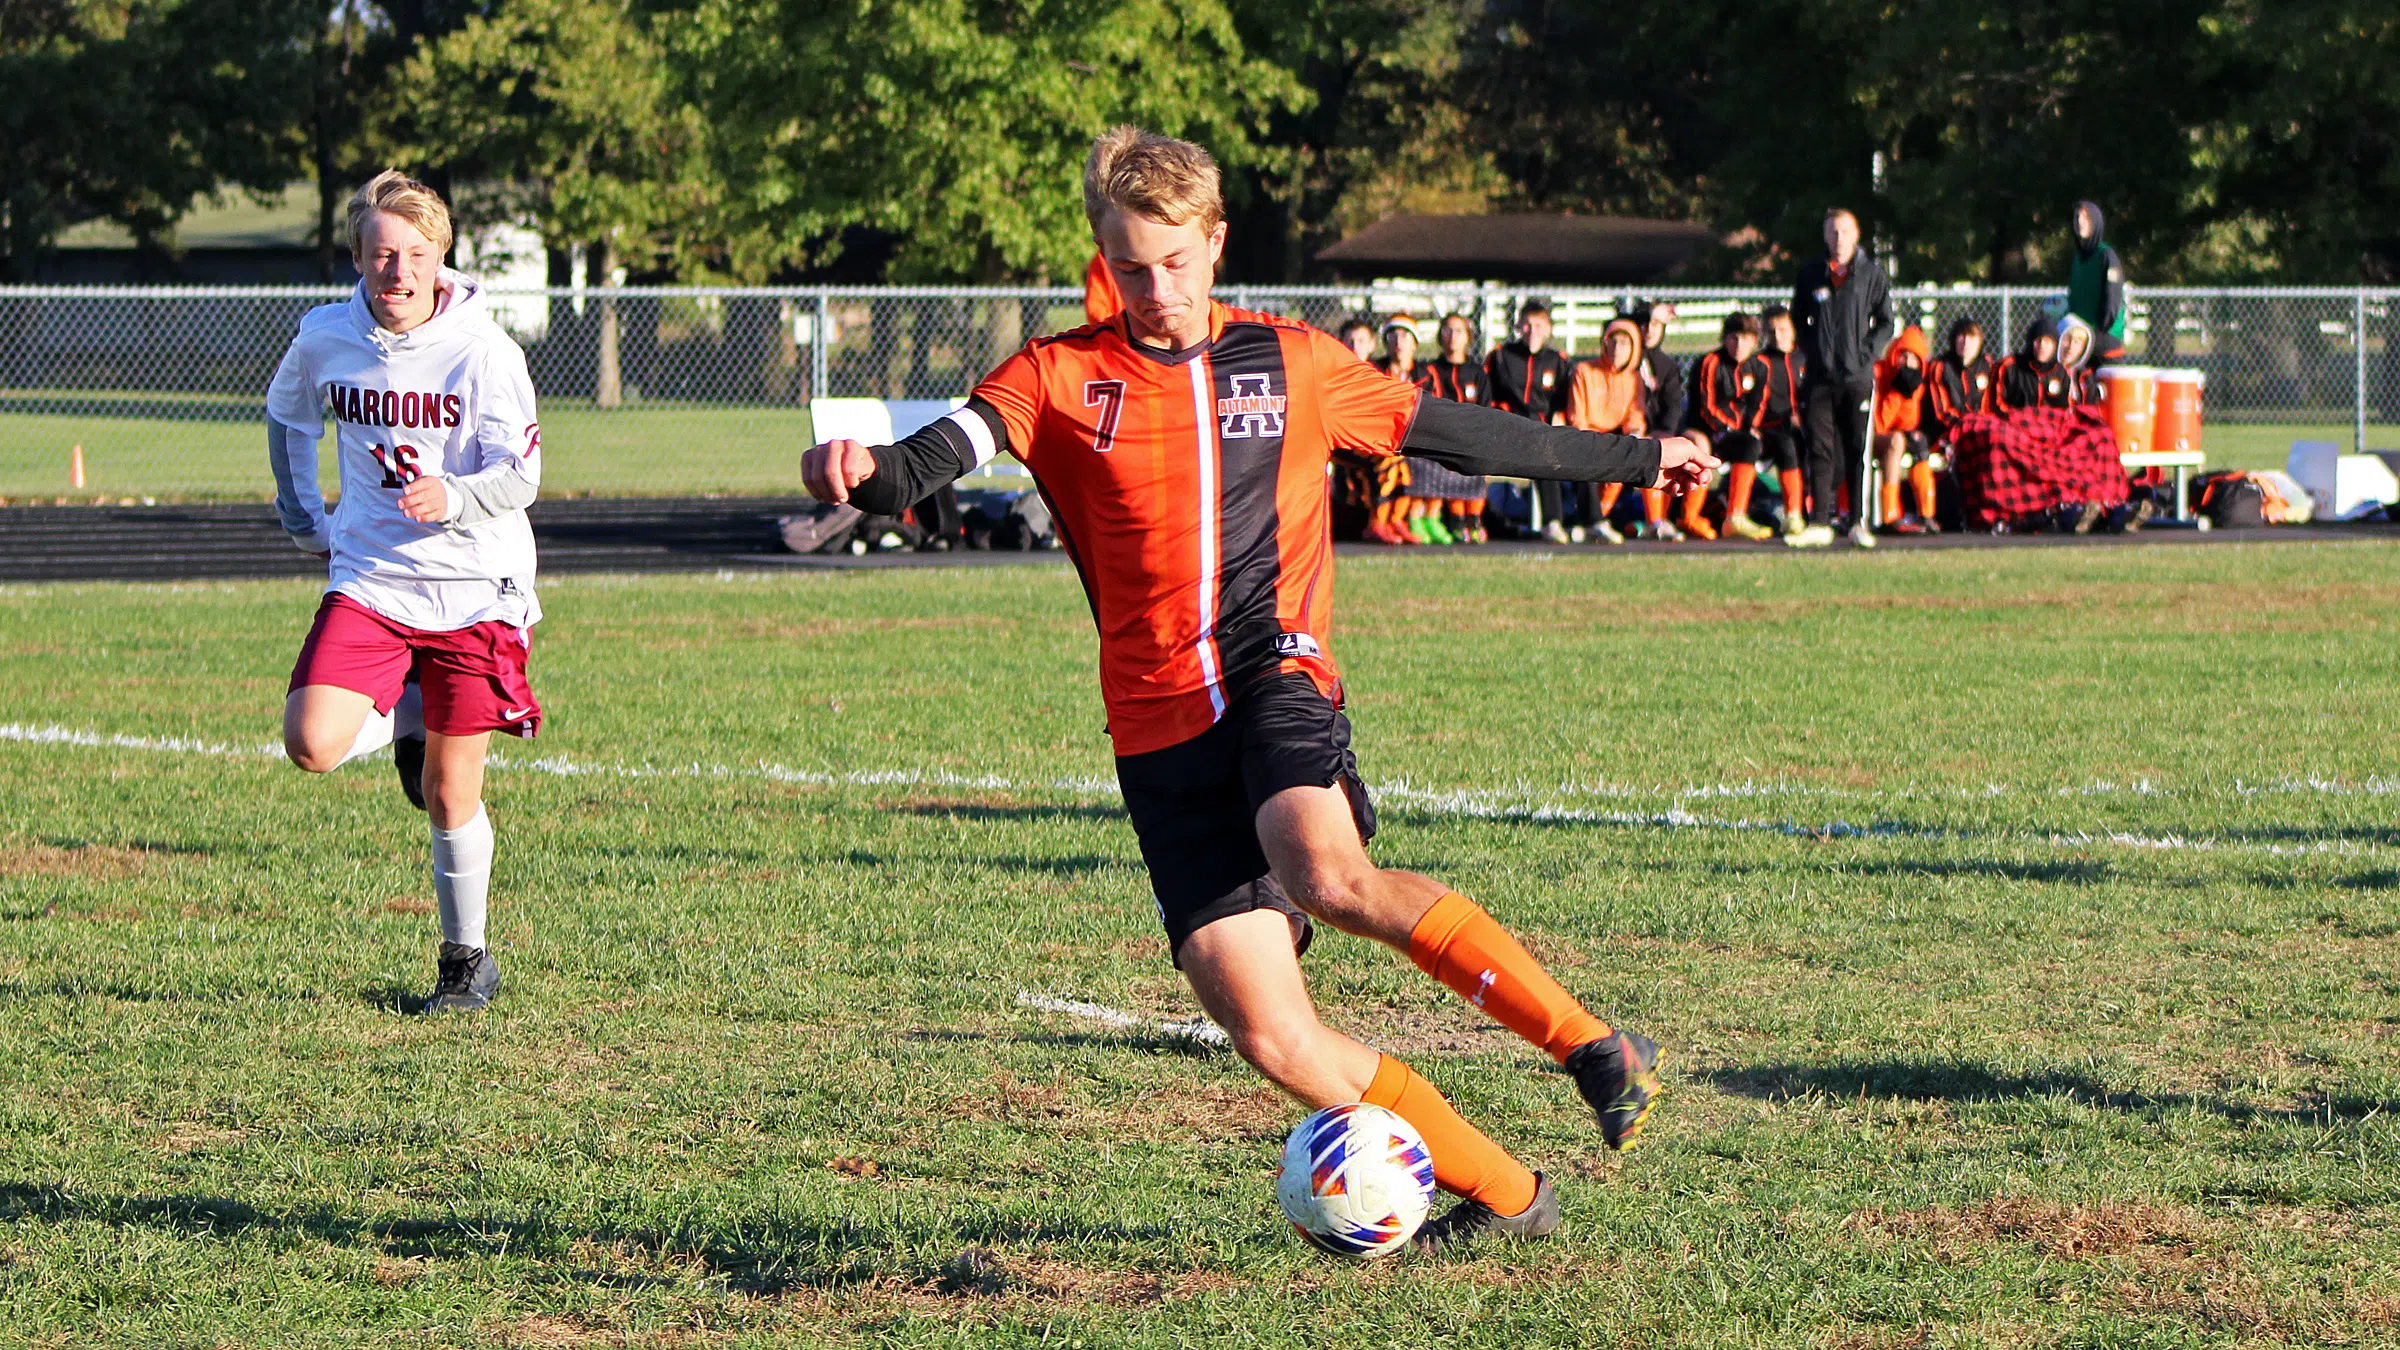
1842	305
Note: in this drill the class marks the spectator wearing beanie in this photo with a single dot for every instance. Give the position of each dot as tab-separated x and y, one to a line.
1842	307
2034	377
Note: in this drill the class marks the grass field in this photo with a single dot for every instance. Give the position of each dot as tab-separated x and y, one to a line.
623	452
2023	927
626	452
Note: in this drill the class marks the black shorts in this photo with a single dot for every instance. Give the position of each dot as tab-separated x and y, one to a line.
1195	805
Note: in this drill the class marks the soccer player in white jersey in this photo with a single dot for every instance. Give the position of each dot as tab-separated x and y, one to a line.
421	637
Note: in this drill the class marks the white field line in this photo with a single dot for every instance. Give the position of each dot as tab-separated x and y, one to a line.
1198	1029
1519	803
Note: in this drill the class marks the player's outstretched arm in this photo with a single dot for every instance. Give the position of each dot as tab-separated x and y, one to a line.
885	480
1488	441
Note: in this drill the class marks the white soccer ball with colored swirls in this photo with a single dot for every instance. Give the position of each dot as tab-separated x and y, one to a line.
1357	1180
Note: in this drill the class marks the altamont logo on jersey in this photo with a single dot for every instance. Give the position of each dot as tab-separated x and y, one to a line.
1297	646
1251	410
385	408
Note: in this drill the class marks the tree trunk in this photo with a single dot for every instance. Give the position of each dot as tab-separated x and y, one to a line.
608	381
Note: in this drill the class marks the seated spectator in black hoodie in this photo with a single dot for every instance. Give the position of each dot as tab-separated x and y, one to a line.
1527	376
2035	377
1960	382
1663	405
1783	373
1728	394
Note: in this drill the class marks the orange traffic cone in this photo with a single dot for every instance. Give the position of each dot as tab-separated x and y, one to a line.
75	468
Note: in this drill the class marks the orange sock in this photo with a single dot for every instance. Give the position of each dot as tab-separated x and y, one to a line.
1467	949
1891	499
1609	492
1920	477
1654	504
1692	502
1794	504
1737	490
1465	1160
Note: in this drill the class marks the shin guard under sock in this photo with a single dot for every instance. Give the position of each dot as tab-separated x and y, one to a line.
1891	499
462	877
1795	503
1920	477
1465	1160
1467	949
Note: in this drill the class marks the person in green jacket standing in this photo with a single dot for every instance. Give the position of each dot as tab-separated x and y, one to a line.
2095	279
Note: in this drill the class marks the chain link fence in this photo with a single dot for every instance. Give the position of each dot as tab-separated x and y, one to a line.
157	393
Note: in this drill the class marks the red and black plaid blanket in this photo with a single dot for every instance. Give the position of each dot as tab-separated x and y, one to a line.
2013	467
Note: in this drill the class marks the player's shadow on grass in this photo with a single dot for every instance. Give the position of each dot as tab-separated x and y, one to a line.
1959	1081
1147	1042
763	1256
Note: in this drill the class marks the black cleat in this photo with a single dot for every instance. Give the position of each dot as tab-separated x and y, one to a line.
408	756
467	979
1618	1075
1470	1221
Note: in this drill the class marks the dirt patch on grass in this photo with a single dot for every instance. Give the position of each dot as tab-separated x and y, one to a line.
964	803
543	1331
84	862
2069	1232
1418	1031
407	904
192	1137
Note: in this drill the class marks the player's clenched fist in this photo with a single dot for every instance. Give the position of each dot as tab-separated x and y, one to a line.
1684	463
426	500
832	469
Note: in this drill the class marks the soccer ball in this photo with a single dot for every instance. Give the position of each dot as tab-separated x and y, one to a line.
1357	1180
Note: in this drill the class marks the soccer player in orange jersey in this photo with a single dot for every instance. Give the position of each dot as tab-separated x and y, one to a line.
1182	448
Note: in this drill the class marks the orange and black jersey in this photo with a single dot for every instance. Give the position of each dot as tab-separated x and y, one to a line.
2023	382
1780	375
1188	488
1457	381
1956	390
1726	395
1527	383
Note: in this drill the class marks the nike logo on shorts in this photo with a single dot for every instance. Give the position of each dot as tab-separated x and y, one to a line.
514	714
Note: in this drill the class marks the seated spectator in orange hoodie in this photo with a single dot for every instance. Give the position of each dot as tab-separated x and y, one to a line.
1606	395
1899	431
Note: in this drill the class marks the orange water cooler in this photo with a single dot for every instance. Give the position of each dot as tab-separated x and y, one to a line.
2176	426
2130	396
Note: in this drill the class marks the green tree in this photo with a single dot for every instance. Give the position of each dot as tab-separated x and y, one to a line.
957	127
133	110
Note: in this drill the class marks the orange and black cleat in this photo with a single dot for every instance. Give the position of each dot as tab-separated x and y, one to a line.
1618	1075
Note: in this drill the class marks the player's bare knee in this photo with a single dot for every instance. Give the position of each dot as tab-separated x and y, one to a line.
1344	896
1277	1048
309	754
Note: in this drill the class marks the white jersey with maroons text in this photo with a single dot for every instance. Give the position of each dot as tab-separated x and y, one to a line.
451	397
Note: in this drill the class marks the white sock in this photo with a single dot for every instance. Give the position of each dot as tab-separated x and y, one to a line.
373	734
462	877
408	715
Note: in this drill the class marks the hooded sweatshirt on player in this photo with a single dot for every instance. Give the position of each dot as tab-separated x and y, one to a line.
2096	279
1900	389
450	398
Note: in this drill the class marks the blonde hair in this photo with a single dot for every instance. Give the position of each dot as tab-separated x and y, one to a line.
1170	181
396	194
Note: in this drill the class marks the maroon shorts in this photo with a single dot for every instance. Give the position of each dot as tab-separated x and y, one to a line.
473	679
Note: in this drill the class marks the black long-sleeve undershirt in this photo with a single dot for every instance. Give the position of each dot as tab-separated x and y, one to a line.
1461	436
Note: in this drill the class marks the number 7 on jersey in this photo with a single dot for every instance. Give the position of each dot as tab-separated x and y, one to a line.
1109	397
